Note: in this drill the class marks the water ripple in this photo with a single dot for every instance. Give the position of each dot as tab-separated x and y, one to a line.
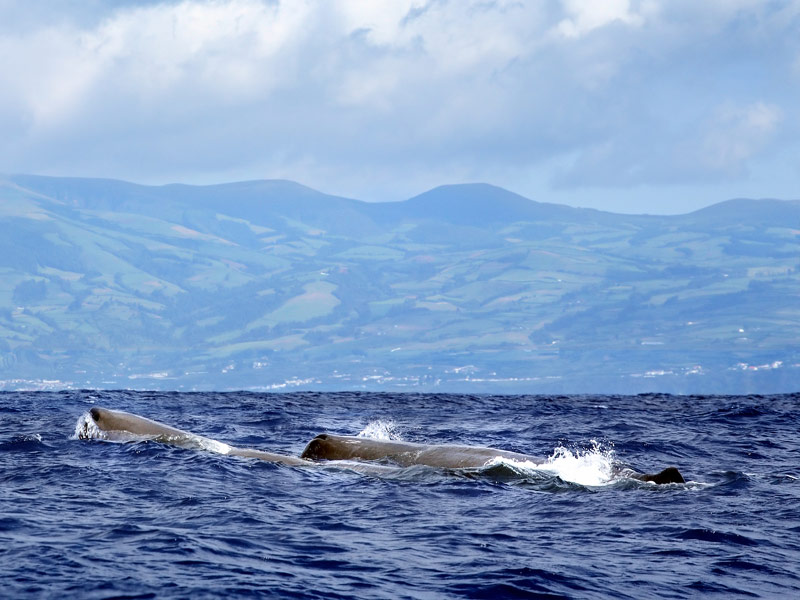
90	519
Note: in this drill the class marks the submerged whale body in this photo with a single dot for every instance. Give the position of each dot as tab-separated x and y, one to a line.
346	452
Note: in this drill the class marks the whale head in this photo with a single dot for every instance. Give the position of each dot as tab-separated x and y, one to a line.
115	425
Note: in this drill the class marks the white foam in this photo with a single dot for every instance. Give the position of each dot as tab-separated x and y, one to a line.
87	429
593	467
213	445
585	467
383	430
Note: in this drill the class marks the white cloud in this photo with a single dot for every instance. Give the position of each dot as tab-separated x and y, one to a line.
738	133
586	16
715	147
348	95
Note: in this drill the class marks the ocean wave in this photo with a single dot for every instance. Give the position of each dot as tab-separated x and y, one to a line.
23	443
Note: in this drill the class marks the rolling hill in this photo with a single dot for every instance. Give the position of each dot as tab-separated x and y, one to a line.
270	285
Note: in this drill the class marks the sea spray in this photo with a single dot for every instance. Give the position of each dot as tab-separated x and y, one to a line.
592	467
380	429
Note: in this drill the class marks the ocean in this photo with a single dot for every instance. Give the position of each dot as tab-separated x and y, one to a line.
98	519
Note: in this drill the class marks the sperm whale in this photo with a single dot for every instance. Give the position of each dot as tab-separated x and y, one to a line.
331	450
119	426
337	447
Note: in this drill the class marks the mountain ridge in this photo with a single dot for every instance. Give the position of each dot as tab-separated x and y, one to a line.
442	200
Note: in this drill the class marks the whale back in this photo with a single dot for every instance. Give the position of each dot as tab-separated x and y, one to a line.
341	447
337	447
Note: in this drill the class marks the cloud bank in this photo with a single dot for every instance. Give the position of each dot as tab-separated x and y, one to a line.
381	98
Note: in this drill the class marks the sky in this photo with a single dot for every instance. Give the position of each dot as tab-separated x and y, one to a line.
636	106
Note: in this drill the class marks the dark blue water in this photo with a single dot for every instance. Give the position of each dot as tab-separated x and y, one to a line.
93	519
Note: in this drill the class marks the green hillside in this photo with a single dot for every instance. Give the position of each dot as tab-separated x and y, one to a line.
271	285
